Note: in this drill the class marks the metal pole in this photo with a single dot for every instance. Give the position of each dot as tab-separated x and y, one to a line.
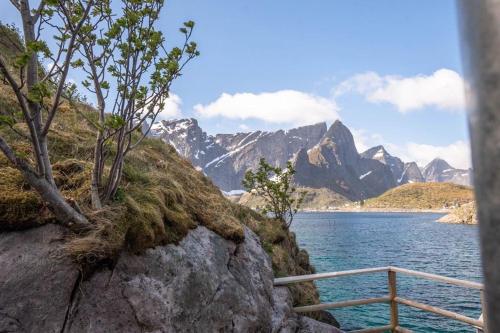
480	27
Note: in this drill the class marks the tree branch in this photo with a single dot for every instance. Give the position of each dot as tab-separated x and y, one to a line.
64	74
16	4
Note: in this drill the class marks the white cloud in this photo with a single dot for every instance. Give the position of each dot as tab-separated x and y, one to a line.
244	127
456	154
364	140
443	89
284	106
172	108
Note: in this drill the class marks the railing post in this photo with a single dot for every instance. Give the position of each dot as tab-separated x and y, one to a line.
392	295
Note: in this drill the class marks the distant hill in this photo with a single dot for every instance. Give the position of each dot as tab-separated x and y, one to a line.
315	199
423	196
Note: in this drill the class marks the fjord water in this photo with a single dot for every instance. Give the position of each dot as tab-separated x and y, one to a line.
343	240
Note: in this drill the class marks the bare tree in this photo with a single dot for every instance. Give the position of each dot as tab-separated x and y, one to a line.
130	72
39	96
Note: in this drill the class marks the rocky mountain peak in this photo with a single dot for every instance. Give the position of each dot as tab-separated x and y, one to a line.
438	170
340	140
339	134
380	154
436	165
411	174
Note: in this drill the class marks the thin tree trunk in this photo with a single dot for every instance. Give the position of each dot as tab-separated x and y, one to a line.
97	172
116	167
118	179
64	212
46	160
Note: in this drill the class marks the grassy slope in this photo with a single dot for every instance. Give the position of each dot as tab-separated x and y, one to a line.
315	199
162	198
422	196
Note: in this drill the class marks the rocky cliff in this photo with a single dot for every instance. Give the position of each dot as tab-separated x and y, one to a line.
411	174
226	157
203	284
335	164
325	157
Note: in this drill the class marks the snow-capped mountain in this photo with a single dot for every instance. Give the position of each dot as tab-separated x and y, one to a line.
403	173
438	170
334	163
394	163
226	157
323	157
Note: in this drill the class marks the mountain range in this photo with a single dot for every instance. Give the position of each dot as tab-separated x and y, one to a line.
323	158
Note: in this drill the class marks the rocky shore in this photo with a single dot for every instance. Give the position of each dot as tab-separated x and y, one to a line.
465	214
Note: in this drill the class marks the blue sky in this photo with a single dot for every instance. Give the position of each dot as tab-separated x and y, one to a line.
282	63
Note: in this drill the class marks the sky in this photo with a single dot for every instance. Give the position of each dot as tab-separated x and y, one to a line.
389	70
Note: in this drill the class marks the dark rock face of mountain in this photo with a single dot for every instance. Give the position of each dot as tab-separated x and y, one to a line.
438	170
203	284
411	174
394	163
335	164
403	173
226	157
323	157
188	139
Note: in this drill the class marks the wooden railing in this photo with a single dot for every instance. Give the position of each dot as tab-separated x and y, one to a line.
392	298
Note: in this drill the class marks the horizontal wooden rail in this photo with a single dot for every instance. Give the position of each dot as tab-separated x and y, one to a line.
343	304
320	276
439	278
392	298
441	312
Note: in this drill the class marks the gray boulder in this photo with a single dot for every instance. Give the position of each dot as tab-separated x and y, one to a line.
36	281
204	284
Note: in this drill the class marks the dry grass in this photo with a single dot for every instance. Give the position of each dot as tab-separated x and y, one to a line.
423	196
163	196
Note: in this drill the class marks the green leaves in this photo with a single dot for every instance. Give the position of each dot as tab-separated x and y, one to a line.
38	92
22	60
189	24
7	120
114	122
274	185
77	63
32	47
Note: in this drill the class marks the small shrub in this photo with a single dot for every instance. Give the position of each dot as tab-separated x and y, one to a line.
275	186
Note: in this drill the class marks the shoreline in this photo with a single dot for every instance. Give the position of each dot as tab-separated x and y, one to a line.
379	210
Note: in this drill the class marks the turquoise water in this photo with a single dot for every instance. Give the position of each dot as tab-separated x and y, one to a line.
342	241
